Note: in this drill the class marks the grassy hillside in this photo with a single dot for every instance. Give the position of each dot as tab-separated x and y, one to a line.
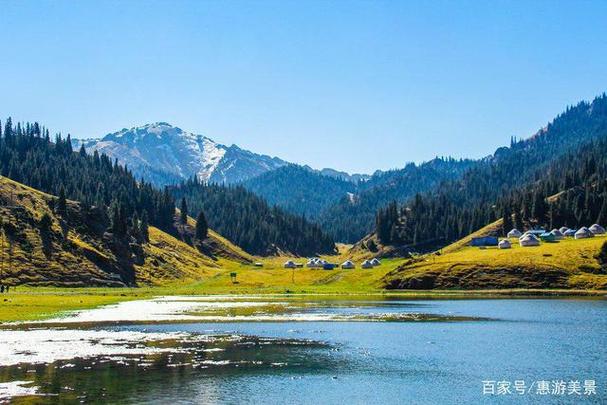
76	251
566	264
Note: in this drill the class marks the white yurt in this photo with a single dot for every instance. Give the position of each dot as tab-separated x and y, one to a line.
529	240
504	244
289	264
348	264
366	264
583	233
375	262
597	229
563	229
558	235
515	233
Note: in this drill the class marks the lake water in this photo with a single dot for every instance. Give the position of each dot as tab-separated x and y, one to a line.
337	360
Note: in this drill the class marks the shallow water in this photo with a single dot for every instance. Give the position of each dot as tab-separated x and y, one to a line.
326	361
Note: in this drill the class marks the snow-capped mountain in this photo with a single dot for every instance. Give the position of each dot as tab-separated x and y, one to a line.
164	154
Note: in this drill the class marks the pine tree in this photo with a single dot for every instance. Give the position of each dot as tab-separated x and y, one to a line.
144	227
119	222
135	227
202	228
602	218
62	203
539	208
507	220
184	211
45	223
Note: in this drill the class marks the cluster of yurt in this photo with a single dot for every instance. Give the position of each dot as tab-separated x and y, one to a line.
533	237
369	264
316	263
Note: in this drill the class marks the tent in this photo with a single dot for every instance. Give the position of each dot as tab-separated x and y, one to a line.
313	262
536	232
504	244
348	264
515	233
484	241
570	232
529	240
289	264
548	237
557	234
583	233
597	229
563	229
367	264
328	266
375	262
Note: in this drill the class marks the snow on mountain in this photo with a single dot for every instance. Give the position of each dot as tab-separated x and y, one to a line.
164	154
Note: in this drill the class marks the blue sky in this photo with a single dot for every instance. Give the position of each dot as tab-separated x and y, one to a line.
356	86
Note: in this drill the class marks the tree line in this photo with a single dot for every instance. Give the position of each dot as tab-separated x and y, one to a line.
250	222
520	184
29	156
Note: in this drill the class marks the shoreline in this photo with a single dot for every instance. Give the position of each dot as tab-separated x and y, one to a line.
32	304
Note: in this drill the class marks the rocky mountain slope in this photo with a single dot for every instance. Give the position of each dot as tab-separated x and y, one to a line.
164	154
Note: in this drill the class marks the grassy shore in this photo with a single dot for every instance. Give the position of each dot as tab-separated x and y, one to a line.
576	259
30	304
565	264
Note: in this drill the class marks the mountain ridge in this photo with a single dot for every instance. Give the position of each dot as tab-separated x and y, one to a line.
165	154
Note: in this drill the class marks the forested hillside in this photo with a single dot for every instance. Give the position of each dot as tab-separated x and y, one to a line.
248	220
567	156
300	190
28	156
352	217
44	245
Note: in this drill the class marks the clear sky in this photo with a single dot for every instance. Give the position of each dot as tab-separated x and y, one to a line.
356	86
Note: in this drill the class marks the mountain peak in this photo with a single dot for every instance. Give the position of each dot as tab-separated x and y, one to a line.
165	154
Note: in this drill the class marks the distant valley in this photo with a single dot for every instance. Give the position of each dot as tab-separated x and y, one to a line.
109	211
343	204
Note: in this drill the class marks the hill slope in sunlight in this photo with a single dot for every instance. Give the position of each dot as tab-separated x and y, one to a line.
566	264
41	247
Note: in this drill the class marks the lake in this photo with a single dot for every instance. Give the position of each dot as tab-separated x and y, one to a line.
311	350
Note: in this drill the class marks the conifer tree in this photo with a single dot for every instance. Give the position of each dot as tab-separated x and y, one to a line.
61	202
202	228
506	220
144	227
184	211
